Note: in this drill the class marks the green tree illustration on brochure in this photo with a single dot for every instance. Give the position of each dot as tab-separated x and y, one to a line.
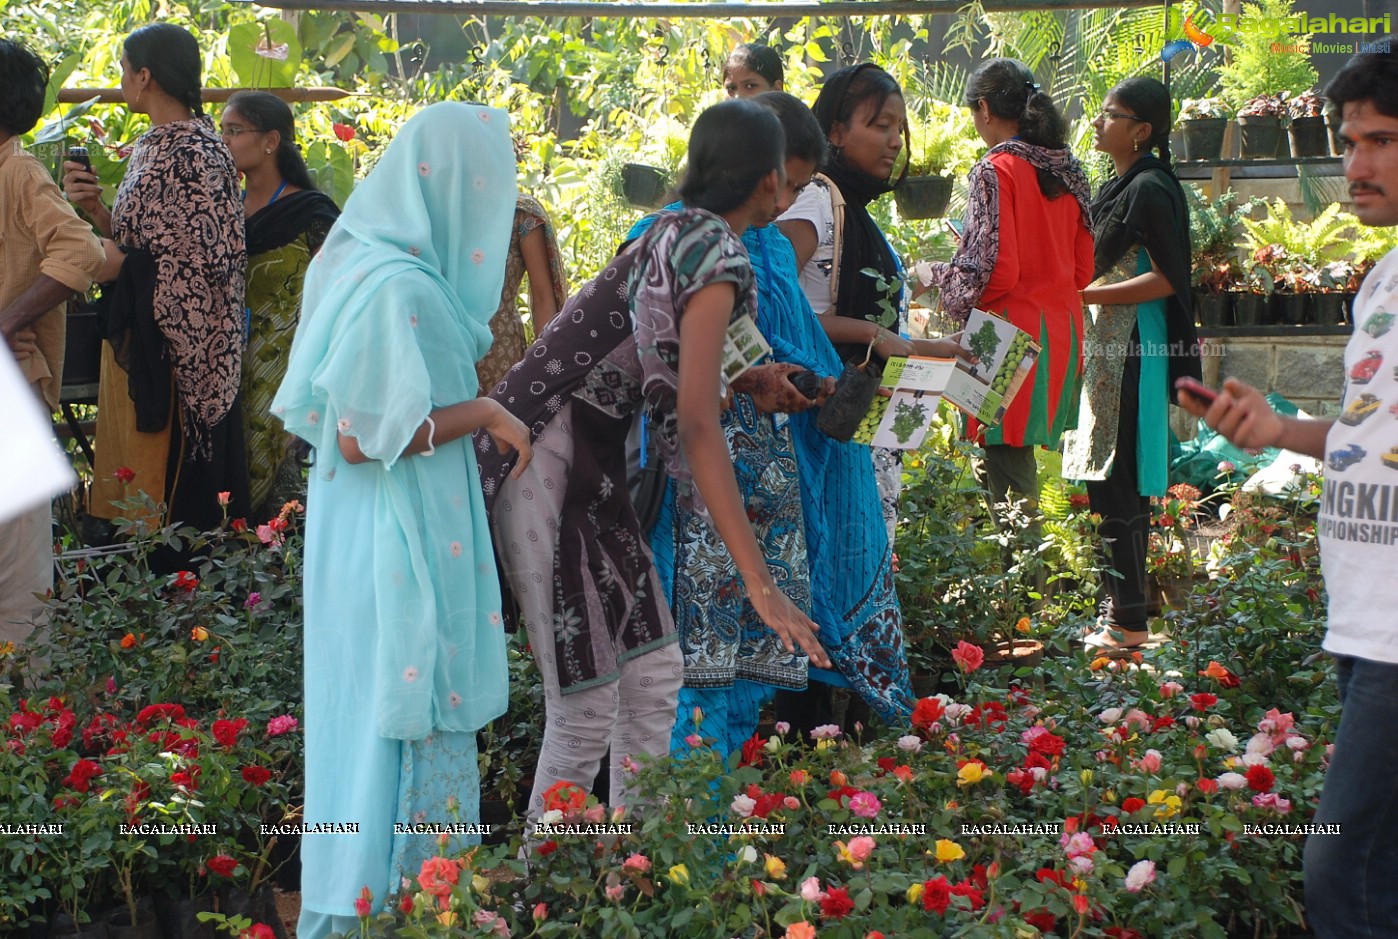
1005	355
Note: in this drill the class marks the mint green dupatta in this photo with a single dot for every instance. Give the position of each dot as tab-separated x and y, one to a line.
395	317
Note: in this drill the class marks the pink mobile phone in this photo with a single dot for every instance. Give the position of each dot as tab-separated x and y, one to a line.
1196	388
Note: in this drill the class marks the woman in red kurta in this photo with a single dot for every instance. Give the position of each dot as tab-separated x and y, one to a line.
1025	254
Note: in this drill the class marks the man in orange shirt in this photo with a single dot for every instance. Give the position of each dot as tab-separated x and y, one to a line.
47	254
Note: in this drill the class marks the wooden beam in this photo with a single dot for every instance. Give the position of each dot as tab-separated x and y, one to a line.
663	10
215	95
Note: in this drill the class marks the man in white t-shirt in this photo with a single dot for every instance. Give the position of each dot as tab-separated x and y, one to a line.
1352	877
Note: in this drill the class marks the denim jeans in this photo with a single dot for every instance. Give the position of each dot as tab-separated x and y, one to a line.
1352	877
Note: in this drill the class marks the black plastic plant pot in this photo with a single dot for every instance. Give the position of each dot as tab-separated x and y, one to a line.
1309	137
643	186
1249	309
842	413
1260	136
923	196
1203	138
1290	309
1328	309
1213	309
145	926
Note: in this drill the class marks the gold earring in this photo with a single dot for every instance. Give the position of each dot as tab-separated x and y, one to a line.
1135	146
140	92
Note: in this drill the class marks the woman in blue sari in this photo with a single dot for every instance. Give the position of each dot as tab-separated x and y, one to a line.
405	647
815	508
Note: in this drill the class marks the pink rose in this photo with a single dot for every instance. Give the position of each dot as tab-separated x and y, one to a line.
638	863
860	847
1141	875
967	656
865	804
284	724
810	890
1150	763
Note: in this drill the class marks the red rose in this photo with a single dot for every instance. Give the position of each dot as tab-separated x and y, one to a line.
936	894
1041	740
1207	786
239	525
165	712
344	131
256	775
80	776
836	903
124	474
186	581
927	712
183	780
1260	778
1132	805
258	931
547	848
752	751
226	732
1203	700
222	865
968	890
1042	920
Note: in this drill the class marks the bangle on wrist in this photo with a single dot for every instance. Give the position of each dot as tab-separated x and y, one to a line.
431	432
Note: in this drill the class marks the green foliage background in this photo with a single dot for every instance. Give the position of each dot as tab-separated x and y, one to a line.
584	95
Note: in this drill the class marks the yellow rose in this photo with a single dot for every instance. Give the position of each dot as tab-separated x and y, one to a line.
447	918
776	867
948	851
1167	804
970	774
480	884
914	894
199	634
679	874
1086	777
1023	624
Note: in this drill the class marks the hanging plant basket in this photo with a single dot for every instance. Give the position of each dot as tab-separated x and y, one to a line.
1309	137
643	186
1203	137
1260	136
923	196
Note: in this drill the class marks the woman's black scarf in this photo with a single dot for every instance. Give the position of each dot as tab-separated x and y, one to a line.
862	246
277	225
1146	208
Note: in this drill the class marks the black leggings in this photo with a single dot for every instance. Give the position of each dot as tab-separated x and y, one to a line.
1125	528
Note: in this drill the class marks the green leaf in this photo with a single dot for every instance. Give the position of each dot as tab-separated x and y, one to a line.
339	50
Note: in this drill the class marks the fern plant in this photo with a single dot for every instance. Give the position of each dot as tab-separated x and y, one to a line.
1327	238
1256	68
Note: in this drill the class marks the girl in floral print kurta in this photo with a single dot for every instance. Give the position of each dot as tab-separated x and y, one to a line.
567	535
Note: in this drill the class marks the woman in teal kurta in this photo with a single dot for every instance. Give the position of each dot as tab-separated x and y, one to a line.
404	647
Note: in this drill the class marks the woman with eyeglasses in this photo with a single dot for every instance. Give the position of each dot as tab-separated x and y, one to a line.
287	220
169	409
1025	253
1140	338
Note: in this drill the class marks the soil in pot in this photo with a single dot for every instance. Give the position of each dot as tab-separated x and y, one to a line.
179	919
1203	138
145	926
1309	137
923	196
62	926
1328	309
643	186
1260	136
1020	653
1290	309
1213	309
1249	309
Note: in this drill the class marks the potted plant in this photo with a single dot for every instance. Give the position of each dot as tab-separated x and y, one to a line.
948	148
1252	296
1203	122
1259	65
1214	229
1260	122
1294	277
1308	133
1337	283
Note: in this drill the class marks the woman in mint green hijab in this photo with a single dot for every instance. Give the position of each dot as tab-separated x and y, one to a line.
405	654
